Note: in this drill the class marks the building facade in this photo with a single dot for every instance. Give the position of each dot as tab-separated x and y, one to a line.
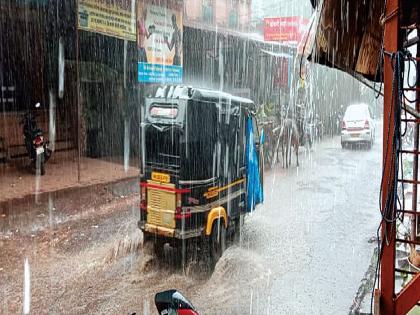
232	14
101	92
261	9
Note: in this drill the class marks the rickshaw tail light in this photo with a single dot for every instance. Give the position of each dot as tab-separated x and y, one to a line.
143	205
143	199
143	193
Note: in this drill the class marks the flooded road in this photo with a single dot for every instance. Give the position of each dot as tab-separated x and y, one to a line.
304	251
307	249
324	217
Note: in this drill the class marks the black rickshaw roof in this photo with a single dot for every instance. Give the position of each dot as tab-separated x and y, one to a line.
201	94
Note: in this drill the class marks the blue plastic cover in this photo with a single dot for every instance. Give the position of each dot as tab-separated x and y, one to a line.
255	194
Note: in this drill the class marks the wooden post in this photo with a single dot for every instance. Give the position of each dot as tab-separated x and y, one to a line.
387	271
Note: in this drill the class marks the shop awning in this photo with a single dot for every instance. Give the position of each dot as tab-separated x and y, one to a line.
348	34
276	54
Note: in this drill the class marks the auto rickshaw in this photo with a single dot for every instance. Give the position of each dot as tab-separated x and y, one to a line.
201	168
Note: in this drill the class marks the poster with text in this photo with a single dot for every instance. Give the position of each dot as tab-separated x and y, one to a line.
159	41
115	18
285	29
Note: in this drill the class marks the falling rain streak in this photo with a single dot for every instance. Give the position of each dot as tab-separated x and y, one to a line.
26	288
162	153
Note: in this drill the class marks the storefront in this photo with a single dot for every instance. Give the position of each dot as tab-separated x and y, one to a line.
239	63
80	60
29	74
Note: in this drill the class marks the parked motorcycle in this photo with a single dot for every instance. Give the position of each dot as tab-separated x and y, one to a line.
173	302
38	149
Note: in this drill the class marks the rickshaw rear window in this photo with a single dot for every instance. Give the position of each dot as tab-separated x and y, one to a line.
164	112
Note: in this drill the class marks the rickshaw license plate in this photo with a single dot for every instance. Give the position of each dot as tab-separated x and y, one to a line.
355	135
161	177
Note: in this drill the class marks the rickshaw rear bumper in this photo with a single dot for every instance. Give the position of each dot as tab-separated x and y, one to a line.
161	231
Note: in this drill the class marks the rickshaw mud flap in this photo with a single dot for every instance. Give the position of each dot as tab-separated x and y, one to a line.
167	232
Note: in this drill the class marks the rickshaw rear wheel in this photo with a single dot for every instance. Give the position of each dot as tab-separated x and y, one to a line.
217	241
155	244
159	248
239	223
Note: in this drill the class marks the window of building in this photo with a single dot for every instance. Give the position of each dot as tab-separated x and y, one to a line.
208	15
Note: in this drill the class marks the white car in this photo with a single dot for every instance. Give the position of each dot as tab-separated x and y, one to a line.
358	126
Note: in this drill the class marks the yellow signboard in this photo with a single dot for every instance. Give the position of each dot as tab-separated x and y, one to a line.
115	18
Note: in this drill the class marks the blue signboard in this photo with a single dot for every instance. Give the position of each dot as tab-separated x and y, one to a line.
159	41
155	73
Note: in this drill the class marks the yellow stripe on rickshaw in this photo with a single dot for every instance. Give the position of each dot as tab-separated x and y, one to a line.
214	191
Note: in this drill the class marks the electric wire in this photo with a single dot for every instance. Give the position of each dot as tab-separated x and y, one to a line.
392	202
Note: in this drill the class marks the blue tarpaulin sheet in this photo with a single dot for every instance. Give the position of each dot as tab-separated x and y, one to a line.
254	186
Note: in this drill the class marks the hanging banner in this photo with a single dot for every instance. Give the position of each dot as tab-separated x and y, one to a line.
159	41
285	29
115	18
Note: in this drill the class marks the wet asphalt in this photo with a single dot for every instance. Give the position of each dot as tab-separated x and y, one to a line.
333	211
309	242
305	251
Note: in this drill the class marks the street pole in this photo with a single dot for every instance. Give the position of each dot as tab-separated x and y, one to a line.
78	93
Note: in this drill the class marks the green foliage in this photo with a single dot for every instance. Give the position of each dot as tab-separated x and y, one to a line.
266	110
